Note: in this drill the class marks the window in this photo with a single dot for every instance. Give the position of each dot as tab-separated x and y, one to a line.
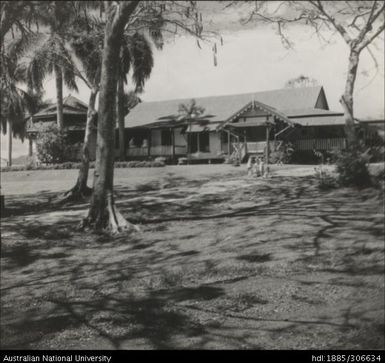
166	137
199	142
193	139
204	142
138	140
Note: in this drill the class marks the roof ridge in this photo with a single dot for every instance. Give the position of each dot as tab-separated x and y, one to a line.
77	100
233	94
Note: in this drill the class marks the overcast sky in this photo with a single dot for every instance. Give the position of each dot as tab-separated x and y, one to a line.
251	59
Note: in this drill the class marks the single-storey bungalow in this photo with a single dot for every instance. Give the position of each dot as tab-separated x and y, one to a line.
240	124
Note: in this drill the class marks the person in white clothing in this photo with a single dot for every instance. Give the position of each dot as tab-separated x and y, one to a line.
250	165
261	167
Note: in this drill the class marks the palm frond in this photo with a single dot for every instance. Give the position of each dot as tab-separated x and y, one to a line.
38	67
66	64
13	109
125	62
20	46
87	47
131	99
142	59
155	31
20	73
69	78
191	111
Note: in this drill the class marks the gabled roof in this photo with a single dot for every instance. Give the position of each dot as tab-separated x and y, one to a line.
259	105
71	105
224	107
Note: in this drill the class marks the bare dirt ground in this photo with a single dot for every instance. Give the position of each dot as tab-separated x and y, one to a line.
223	261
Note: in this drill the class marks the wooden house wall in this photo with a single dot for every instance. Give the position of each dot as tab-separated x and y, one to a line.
180	139
322	132
156	137
215	143
254	133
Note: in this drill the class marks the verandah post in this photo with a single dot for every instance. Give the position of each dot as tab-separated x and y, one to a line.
189	143
10	136
30	146
228	143
267	147
149	143
198	142
173	142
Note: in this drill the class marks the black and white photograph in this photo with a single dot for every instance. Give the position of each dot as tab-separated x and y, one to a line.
192	175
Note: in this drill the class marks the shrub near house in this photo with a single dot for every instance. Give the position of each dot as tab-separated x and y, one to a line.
53	146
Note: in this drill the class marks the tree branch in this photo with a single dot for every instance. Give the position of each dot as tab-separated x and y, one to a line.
369	22
340	28
368	40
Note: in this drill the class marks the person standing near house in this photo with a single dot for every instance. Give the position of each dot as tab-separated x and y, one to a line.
261	167
250	166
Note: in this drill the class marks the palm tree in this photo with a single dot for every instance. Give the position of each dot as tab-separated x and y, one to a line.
85	40
188	113
16	17
135	54
16	103
52	57
86	43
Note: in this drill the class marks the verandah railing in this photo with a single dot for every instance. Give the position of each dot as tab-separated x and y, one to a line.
302	144
156	151
320	144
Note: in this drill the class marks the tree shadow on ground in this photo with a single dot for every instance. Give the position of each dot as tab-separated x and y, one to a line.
256	258
30	330
104	285
118	318
32	204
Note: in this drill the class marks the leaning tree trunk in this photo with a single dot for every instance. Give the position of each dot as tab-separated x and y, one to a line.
80	191
120	114
103	214
9	143
59	97
347	98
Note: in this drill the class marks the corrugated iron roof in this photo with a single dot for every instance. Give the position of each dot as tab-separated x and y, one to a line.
311	112
200	128
320	121
223	107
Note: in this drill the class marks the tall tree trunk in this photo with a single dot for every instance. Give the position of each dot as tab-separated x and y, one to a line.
120	114
10	129
84	168
81	190
347	98
103	213
59	97
30	146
